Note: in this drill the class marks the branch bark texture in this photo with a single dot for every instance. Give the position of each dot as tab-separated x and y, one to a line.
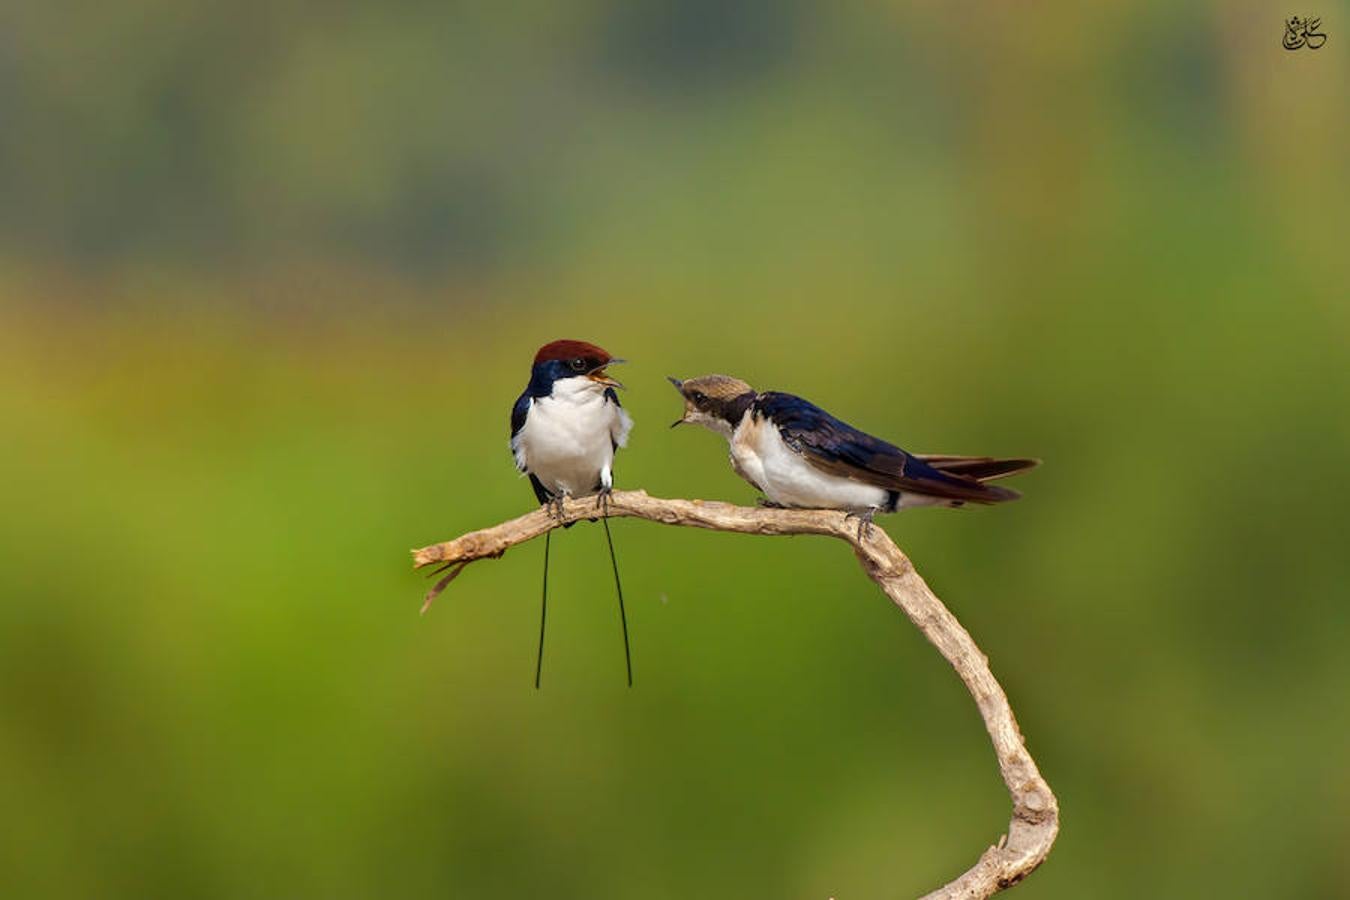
1035	811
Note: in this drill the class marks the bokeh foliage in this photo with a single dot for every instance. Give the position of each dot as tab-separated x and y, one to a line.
270	277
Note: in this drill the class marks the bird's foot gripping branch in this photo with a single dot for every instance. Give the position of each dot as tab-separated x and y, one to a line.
1035	811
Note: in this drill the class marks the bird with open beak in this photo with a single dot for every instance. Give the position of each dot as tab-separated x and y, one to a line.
565	429
801	456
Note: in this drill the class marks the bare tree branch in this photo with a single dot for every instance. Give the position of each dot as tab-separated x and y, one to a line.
1035	812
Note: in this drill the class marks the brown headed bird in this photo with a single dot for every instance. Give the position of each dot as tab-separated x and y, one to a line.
801	456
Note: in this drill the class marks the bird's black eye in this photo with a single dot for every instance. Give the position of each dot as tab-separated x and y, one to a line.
699	397
578	365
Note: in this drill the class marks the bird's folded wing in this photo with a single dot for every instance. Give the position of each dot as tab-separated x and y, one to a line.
622	422
519	412
835	447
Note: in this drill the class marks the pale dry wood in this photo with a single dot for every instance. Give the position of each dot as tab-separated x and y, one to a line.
1035	811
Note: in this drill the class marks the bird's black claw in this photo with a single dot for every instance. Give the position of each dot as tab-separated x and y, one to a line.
864	522
554	506
766	503
602	499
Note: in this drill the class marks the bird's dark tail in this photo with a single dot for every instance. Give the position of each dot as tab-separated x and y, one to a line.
958	480
980	468
618	586
543	613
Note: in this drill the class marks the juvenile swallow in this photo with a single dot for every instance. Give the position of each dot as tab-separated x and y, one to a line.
801	456
565	429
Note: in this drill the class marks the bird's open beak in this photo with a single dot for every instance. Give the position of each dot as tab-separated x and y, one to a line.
599	376
679	386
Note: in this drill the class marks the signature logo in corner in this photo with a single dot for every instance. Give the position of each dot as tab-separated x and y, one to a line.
1303	33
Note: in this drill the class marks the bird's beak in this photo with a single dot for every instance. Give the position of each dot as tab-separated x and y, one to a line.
599	376
679	386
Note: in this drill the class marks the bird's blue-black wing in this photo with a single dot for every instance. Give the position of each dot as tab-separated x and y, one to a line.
613	396
519	412
540	492
838	448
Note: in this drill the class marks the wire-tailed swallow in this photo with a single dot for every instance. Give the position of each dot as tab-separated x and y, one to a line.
801	456
565	429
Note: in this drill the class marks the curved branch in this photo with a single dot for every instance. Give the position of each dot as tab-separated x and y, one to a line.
1035	811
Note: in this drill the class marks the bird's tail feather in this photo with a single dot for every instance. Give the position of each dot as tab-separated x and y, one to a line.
618	586
979	468
958	480
543	613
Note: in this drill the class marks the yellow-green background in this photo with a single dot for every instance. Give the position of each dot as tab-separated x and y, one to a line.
271	275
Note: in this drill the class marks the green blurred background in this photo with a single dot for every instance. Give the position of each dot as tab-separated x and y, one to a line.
271	275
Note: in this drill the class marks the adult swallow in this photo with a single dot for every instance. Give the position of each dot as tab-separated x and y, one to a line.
565	429
801	456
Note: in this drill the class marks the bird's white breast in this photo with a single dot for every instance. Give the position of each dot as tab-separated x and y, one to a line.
759	453
568	438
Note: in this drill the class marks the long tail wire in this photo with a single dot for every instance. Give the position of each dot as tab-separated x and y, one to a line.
618	586
543	613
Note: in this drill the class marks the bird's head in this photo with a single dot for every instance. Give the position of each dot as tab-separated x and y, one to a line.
714	401
577	364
